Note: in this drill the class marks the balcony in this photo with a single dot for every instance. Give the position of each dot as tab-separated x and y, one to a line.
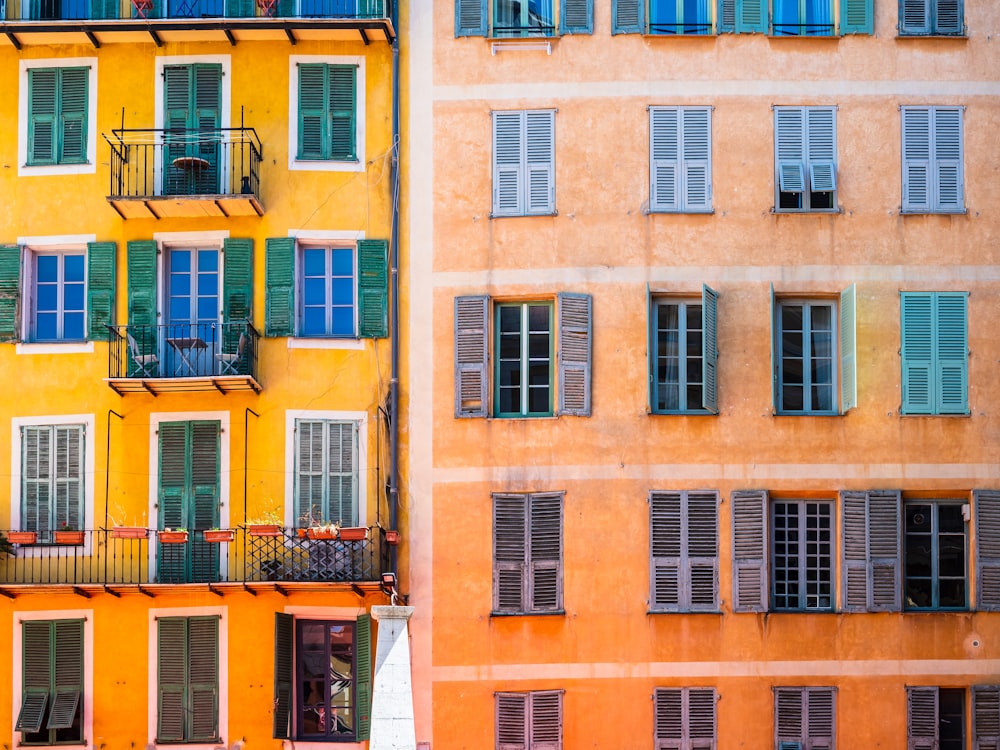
98	21
183	357
105	560
173	173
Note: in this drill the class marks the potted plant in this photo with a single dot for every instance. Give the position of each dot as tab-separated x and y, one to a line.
392	537
66	534
268	523
173	536
353	533
22	537
219	536
325	530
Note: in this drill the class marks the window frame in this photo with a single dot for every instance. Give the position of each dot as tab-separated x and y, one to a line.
528	532
805	156
932	157
778	29
329	250
327	474
680	159
530	720
524	358
523	157
808	359
296	162
327	113
935	578
923	731
476	18
708	355
299	660
801	536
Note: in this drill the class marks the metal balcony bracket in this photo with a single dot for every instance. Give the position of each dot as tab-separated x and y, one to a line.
149	207
8	594
115	594
218	205
80	592
288	33
156	37
218	387
364	37
146	386
213	590
146	592
14	40
280	590
230	37
117	210
92	38
358	590
249	590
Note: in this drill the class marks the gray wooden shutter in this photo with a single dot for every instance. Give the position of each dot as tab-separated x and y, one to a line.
628	16
66	475
508	163
510	553
471	356
511	721
100	289
987	509
684	718
664	159
821	148
470	17
947	166
363	675
884	551
790	148
684	551
373	288
848	349
540	163
666	553
279	286
10	292
820	718
857	17
917	177
576	17
696	155
574	355
203	679
545	552
701	537
749	509
710	349
284	675
921	718
545	720
789	716
774	354
856	571
985	717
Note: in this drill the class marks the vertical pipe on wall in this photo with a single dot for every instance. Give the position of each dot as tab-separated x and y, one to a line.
394	292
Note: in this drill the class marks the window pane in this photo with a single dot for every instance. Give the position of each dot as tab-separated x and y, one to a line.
48	268
342	321
314	262
314	321
48	297
314	291
73	268
73	297
46	326
73	326
342	291
342	262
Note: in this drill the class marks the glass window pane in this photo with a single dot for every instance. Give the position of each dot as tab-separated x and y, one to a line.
314	262
208	260
48	268
314	291
180	261
73	326
46	327
342	291
314	321
342	321
73	297
73	268
342	262
48	297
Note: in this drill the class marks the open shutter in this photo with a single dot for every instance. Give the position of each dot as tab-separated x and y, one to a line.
921	718
917	176
545	720
749	509
666	553
884	551
947	160
574	355
918	352
696	137
915	16
790	148
142	295
576	17
545	553
710	349
279	281
510	538
204	462
203	679
342	109
857	17
43	104
470	17
512	721
856	571
68	673
363	675
951	355
10	292
284	675
373	288
72	127
821	148
948	19
774	353
100	289
985	717
175	471
628	16
820	718
540	163
312	111
471	355
664	167
37	675
987	508
237	281
171	678
848	349
789	717
508	163
701	572
751	16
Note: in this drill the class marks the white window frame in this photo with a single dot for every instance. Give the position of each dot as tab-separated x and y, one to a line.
88	167
326	165
835	355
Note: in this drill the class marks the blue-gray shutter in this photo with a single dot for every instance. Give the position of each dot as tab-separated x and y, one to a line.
856	572
749	509
10	292
790	148
680	159
726	16
848	349
576	17
987	509
508	164
100	289
710	349
470	17
922	718
948	19
684	718
884	531
696	155
917	175
857	17
947	166
821	148
664	159
471	356
917	352
915	16
545	531
774	353
279	286
985	717
510	553
666	551
540	163
574	353
628	16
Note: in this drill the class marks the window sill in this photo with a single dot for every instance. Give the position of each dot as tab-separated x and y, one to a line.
54	347
320	744
808	414
513	417
930	212
558	612
684	612
522	216
687	413
773	35
966	415
323	343
807	211
933	35
681	211
321	165
29	170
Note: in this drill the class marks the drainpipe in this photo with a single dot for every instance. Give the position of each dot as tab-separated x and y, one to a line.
394	292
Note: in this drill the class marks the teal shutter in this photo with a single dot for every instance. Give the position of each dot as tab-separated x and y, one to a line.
100	289
373	288
203	679
948	19
628	16
710	351
848	349
192	103
947	167
751	16
574	354
67	687
987	566
665	159
934	353
142	283
312	111
43	106
650	351
204	496
471	355
279	293
363	675
237	282
342	108
10	292
284	675
171	678
857	17
576	17
750	537
541	162
470	17
726	16
72	129
951	354
36	676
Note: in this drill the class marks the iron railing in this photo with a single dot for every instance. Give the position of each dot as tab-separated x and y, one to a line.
149	163
183	350
138	557
87	10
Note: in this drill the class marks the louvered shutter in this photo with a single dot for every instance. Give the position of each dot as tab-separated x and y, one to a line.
207	107
666	553
576	17
749	509
178	82
574	355
512	721
884	551
727	16
72	125
67	687
36	473
312	111
917	352
628	16
237	282
373	288
279	282
821	148
790	148
985	717
987	506
343	95
203	679
664	167
142	297
311	486
66	476
710	349
916	129
470	17
789	716
341	472
204	491
545	722
36	644
948	19
100	289
363	675
848	349
175	470
10	292
856	17
856	571
171	678
510	537
509	176
43	105
701	538
541	162
471	356
701	729
915	16
545	553
951	353
669	719
751	16
696	134
947	159
921	718
820	718
284	675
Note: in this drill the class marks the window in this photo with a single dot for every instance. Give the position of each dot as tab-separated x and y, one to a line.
807	350
683	355
802	555
684	551
804	718
327	125
326	472
680	166
802	18
935	352
529	721
327	289
662	16
527	553
685	719
935	718
931	17
527	357
511	18
805	159
933	158
59	309
187	674
57	115
787	17
935	555
524	163
52	478
52	698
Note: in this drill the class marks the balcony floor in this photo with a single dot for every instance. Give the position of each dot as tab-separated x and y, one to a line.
155	386
185	206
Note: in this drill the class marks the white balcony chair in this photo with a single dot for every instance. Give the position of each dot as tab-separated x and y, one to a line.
148	364
229	363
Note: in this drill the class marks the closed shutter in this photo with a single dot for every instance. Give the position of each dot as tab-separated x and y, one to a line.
574	354
512	721
545	720
207	107
177	84
470	17
701	720
204	477
985	717
36	485
804	718
948	159
856	570
279	282
987	507
471	356
684	551
312	111
341	472
171	677
884	551
856	17
373	288
684	718
628	16
363	675
921	718
545	553
67	687
540	164
951	354
237	281
175	470
100	289
680	159
66	476
848	349
949	18
790	148
43	113
510	536
509	175
72	126
917	176
702	539
751	16
696	134
311	486
664	167
37	675
727	16
10	292
576	17
820	718
917	351
284	675
789	716
749	509
710	349
915	16
342	112
821	148
203	676
666	551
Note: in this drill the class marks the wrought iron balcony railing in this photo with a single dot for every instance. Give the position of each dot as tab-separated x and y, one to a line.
123	557
96	10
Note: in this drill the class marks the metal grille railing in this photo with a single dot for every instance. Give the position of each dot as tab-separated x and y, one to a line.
183	350
96	10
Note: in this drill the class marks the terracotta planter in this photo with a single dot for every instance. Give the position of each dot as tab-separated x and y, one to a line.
22	537
315	532
265	529
172	537
353	533
392	537
129	532
69	537
219	536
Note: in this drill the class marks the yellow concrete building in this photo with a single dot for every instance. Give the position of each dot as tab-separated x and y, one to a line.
704	300
197	217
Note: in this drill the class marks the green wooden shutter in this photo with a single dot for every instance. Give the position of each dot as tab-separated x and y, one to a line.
545	552
68	673
848	349
856	570
171	678
237	282
207	100
857	17
666	552
918	352
363	675
10	292
100	289
142	283
922	718
985	716
750	535
43	113
951	353
987	508
72	123
790	148
710	349
665	159
917	177
342	109
204	494
470	17
373	288
279	280
177	86
751	16
511	721
696	158
284	675
36	677
576	17
471	356
884	551
313	96
510	537
508	163
203	679
541	162
628	16
574	354
947	167
173	497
